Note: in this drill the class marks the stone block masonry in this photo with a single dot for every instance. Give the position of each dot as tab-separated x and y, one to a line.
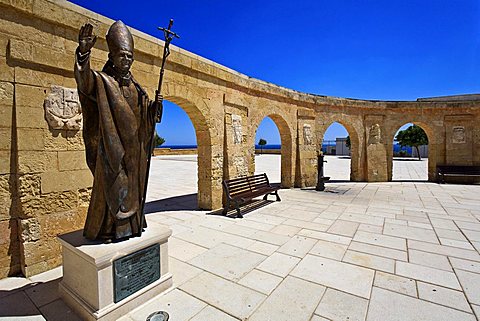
44	181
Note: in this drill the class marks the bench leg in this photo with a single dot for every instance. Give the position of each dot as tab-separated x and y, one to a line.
239	215
274	193
225	209
278	197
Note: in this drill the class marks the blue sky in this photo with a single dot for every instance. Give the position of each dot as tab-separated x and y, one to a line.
388	50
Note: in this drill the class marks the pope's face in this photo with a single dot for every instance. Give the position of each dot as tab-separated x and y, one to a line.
123	60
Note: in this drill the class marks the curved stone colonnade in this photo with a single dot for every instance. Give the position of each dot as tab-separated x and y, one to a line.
44	179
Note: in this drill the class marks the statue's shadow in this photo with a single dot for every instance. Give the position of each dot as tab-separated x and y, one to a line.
177	203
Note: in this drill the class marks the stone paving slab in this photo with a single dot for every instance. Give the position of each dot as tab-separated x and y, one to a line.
396	283
293	300
379	251
471	285
18	305
444	296
261	281
297	246
427	274
179	305
329	250
338	275
336	305
381	240
227	261
209	313
234	299
371	261
429	259
390	306
366	251
182	271
279	264
58	310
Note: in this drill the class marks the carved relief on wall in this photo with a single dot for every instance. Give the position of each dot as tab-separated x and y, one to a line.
237	129
458	135
374	134
62	109
307	134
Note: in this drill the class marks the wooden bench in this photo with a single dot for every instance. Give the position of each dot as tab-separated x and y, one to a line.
243	189
456	170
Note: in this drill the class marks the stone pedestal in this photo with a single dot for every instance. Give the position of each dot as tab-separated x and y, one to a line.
88	285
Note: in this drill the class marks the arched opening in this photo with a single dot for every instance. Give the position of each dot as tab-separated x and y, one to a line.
277	126
179	182
268	150
338	144
173	180
410	149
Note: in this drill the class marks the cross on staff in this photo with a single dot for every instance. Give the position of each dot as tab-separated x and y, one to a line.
168	35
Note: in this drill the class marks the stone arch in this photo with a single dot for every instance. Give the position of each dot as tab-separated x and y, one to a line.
287	146
432	146
210	155
356	141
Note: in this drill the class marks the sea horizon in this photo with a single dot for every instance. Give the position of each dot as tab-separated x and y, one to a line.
396	146
268	146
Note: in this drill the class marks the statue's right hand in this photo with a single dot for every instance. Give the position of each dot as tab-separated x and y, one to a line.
86	38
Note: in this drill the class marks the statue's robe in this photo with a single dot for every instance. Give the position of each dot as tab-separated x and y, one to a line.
118	126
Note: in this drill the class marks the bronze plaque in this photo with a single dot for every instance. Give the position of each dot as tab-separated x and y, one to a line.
135	271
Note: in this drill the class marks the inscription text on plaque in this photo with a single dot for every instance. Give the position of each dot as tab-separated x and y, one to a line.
135	271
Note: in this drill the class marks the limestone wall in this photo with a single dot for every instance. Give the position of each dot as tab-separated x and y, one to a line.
44	181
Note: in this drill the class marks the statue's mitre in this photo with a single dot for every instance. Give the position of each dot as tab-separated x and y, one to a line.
119	37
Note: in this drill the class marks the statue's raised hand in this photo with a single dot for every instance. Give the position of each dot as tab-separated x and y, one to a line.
86	38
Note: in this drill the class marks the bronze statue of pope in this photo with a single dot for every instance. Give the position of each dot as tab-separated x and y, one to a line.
119	122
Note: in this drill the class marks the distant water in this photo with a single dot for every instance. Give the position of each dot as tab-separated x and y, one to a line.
396	147
179	146
272	146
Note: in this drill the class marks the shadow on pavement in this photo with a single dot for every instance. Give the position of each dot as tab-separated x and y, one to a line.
35	301
340	181
177	203
244	208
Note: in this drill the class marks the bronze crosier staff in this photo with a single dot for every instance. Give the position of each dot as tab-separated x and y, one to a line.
168	35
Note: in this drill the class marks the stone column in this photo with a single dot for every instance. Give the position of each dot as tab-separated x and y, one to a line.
459	143
476	142
376	148
306	160
237	152
436	147
459	139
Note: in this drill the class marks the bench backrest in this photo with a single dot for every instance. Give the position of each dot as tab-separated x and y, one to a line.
246	184
458	169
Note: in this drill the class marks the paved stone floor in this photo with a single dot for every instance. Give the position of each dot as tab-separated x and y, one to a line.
357	251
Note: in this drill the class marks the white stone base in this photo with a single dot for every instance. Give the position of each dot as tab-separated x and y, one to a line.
87	285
